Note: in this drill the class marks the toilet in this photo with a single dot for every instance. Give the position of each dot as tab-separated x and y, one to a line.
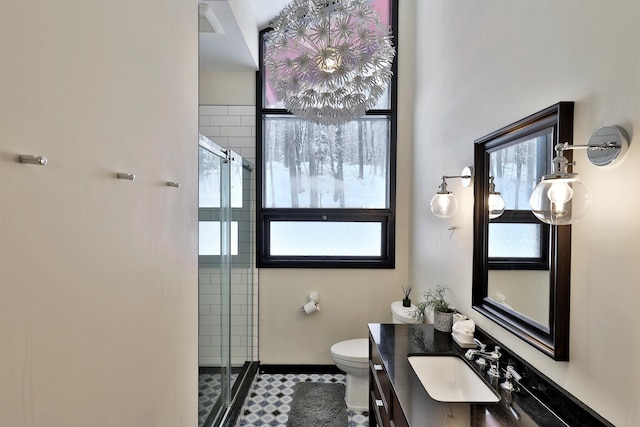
352	357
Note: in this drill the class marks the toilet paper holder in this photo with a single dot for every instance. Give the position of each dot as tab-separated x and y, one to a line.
312	306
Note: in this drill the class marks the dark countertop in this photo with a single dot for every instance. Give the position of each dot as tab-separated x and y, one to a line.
395	342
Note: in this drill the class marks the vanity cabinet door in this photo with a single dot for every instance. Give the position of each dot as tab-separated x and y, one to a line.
378	415
384	407
379	390
398	418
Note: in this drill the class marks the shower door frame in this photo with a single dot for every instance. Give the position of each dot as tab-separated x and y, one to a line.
224	409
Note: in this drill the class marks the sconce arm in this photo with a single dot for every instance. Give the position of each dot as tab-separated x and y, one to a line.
605	146
609	145
466	178
456	176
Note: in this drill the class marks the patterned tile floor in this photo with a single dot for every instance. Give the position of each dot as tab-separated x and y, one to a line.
209	388
268	402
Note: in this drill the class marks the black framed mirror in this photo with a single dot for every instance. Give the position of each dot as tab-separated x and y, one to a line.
521	266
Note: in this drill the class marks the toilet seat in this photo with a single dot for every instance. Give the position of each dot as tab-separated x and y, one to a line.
354	351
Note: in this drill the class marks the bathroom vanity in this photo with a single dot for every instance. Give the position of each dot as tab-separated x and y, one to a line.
397	396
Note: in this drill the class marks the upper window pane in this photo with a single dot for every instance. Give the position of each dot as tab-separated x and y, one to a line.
307	165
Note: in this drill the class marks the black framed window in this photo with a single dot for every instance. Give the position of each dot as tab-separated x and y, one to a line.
326	193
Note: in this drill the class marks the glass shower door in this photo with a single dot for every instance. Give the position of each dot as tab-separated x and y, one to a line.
214	215
226	267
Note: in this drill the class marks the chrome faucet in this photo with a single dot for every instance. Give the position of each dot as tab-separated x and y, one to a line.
510	373
482	355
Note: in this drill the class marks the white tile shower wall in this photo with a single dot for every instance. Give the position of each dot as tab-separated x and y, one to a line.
231	127
213	317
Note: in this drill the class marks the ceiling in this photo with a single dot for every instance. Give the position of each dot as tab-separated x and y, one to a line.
229	31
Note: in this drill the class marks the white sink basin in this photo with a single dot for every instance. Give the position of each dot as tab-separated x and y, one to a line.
450	379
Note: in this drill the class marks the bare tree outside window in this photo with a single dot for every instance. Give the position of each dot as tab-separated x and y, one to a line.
326	166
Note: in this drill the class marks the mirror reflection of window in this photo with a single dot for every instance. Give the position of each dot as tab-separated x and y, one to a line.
517	169
517	236
514	241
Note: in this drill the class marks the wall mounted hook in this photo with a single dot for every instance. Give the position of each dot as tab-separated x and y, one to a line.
173	184
32	160
129	176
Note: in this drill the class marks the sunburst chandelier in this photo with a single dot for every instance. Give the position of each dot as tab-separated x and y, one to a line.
329	61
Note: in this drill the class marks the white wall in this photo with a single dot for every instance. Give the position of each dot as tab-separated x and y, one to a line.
484	65
218	88
98	276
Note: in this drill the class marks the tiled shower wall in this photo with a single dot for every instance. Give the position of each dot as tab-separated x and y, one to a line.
231	127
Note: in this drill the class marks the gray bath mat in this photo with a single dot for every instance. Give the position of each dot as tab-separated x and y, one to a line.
318	405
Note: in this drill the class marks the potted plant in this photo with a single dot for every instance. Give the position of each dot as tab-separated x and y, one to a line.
435	301
406	301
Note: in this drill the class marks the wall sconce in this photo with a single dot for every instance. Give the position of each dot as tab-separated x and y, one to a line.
561	198
444	204
495	202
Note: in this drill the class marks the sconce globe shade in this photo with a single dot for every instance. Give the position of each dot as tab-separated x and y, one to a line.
496	205
444	205
560	201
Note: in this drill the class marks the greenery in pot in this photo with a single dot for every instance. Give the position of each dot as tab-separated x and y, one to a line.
434	301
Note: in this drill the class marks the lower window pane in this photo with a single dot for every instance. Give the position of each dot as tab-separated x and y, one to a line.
317	238
514	240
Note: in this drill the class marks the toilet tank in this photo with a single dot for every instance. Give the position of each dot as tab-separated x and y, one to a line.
402	314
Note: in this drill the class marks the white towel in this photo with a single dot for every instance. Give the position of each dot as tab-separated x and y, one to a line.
463	330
